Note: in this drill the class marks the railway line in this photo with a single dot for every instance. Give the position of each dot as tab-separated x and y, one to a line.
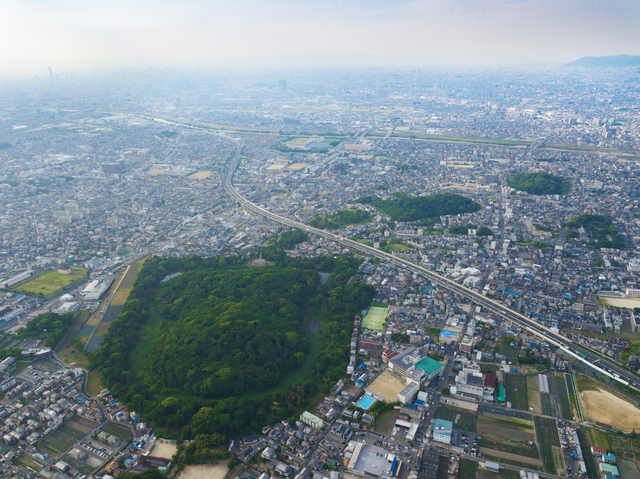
601	365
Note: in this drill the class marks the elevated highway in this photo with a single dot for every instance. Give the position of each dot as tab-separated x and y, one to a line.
601	365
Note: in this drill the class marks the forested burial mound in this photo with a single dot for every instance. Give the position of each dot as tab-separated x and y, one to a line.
224	341
540	183
407	208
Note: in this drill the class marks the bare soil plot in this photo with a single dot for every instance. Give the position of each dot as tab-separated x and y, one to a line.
603	406
629	303
205	471
200	175
387	386
162	449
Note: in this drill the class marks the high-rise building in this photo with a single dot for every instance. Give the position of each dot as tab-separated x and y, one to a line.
283	85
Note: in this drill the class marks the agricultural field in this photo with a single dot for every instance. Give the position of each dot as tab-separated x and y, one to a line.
573	396
533	393
509	352
558	385
507	438
547	429
516	391
82	424
79	465
592	468
57	443
51	283
467	469
546	405
112	313
45	365
31	463
130	275
461	418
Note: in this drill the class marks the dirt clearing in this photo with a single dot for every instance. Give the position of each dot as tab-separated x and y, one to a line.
387	386
201	175
603	406
205	471
162	449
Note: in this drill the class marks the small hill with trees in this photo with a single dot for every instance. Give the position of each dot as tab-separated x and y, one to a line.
540	183
407	208
223	350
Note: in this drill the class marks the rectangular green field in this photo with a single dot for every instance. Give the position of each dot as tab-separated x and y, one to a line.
375	318
516	391
58	442
51	283
69	431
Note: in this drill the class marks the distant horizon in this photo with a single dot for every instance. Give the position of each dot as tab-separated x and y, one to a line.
72	35
287	63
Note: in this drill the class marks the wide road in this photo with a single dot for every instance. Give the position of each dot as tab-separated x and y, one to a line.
599	364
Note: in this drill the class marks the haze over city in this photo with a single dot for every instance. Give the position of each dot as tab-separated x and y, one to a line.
320	239
75	35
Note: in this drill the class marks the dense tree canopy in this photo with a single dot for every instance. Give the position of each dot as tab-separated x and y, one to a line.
52	325
222	333
540	183
406	208
290	238
218	310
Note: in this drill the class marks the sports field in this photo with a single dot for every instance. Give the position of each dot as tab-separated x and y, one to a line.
51	283
375	318
387	386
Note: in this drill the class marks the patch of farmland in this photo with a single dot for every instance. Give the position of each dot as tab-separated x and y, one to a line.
503	428
516	391
533	394
112	313
129	278
461	418
547	433
547	406
509	458
82	424
94	344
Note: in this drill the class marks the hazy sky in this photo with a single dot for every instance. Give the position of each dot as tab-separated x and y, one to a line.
63	33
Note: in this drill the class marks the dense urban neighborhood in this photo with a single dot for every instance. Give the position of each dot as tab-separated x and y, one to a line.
152	323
